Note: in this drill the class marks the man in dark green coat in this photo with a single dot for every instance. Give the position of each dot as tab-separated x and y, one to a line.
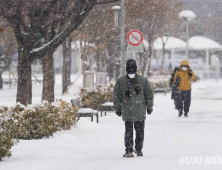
132	97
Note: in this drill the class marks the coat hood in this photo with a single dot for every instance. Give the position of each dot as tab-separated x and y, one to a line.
184	63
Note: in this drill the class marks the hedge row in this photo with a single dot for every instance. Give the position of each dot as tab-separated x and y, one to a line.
96	98
33	122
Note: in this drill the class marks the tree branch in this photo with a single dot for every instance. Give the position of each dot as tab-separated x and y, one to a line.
106	1
77	18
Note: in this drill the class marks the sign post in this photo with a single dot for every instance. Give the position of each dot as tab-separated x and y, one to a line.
135	40
123	36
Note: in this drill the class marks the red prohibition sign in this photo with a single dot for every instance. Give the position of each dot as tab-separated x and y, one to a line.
135	37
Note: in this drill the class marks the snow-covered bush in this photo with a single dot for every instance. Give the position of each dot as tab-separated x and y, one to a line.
42	120
36	122
33	122
96	98
160	82
68	115
7	133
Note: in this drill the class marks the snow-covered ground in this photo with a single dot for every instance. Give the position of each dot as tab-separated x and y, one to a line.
92	146
8	94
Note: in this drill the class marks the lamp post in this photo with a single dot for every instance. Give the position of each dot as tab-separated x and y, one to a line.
187	16
122	8
116	15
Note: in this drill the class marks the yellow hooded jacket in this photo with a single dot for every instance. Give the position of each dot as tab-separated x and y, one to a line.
185	80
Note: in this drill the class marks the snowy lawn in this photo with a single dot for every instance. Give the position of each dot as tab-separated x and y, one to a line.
92	146
8	95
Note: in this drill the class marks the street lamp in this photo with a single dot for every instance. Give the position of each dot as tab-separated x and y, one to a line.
116	15
122	8
187	16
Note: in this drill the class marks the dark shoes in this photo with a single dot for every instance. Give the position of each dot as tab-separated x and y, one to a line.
128	155
186	114
180	114
138	152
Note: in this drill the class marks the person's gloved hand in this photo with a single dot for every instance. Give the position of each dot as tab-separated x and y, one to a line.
177	82
190	74
149	111
118	114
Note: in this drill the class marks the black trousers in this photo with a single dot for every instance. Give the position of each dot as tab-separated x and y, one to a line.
139	128
183	101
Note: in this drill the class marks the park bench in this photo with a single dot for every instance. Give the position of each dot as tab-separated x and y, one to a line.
161	90
108	106
85	110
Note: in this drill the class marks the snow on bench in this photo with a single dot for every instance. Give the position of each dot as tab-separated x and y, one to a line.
85	111
160	90
108	106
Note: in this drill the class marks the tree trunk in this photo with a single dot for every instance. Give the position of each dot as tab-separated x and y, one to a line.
84	68
144	64
1	81
48	78
24	87
66	68
83	59
163	59
150	52
99	62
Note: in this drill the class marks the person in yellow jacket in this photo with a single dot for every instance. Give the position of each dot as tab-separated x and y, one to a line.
183	98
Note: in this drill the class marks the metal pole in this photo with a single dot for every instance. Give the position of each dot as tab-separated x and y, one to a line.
207	63
187	39
123	38
173	58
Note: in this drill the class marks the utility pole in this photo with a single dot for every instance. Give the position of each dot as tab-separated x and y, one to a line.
123	37
187	39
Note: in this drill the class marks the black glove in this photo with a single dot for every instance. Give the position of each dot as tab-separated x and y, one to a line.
177	82
118	114
190	74
149	111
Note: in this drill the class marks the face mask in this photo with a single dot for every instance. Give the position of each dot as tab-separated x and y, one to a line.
184	68
131	75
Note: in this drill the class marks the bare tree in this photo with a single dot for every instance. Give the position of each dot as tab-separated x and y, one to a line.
40	26
8	47
66	66
154	18
100	31
163	43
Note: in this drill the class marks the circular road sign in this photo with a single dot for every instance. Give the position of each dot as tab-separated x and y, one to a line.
135	37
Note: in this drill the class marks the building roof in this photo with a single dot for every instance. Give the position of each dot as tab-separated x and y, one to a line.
203	43
171	43
195	43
